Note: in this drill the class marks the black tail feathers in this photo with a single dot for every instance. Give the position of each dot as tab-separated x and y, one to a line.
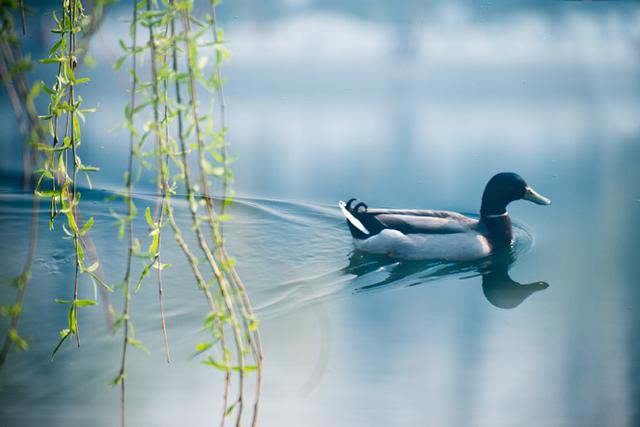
365	224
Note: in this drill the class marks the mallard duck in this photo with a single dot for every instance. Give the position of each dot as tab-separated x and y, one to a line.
429	234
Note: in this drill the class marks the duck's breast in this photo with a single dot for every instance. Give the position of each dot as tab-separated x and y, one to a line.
453	247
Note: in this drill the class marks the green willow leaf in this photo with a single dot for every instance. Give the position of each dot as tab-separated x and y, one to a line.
87	225
64	335
85	302
147	215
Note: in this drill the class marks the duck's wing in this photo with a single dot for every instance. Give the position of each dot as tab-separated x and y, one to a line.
421	212
423	222
366	222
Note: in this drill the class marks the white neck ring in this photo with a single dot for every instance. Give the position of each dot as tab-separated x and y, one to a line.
497	215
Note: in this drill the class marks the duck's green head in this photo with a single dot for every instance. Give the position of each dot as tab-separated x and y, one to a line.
503	189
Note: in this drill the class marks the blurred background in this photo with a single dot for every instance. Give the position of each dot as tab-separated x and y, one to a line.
421	91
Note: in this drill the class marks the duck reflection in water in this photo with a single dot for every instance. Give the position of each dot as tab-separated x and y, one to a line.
497	285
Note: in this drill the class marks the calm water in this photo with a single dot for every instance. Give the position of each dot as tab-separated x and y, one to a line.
418	113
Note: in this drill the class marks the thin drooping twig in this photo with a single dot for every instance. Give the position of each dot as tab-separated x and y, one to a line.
164	202
255	341
130	213
221	101
193	262
22	19
221	280
73	9
192	205
161	178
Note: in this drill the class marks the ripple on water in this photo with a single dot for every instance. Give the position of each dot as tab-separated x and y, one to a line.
290	254
314	247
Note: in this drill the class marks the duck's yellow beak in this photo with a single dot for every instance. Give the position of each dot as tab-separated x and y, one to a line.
531	195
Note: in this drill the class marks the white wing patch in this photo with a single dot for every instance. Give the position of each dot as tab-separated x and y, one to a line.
352	219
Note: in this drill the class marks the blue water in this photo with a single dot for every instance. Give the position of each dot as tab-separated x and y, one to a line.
411	110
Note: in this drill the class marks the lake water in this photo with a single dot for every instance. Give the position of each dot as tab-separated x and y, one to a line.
328	104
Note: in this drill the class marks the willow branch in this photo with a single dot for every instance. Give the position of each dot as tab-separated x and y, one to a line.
222	284
193	209
161	180
130	214
255	341
22	19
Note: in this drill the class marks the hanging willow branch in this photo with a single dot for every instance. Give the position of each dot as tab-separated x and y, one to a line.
64	107
131	214
14	67
249	318
161	173
230	310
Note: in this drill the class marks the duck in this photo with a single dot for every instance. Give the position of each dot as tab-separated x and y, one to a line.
415	234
